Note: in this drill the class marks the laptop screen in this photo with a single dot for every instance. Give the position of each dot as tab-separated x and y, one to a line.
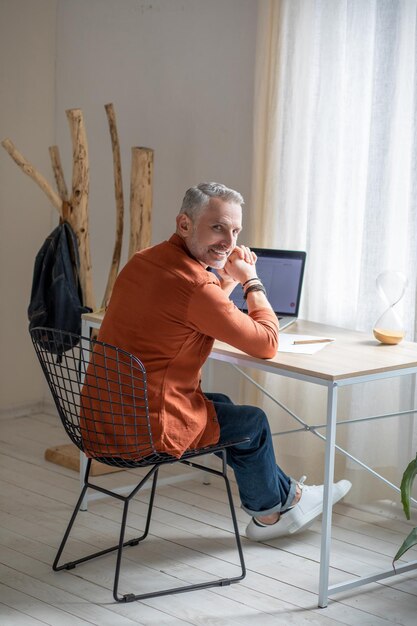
281	272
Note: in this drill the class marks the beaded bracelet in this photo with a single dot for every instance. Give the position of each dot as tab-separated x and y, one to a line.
259	287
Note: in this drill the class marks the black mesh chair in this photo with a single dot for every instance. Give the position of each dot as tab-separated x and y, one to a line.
101	396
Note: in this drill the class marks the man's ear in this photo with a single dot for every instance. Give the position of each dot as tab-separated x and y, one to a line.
183	225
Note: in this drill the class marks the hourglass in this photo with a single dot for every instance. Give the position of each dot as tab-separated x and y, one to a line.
389	328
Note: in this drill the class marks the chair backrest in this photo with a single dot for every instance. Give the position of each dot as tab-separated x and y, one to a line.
100	393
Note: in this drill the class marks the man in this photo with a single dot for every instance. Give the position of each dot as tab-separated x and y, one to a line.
167	308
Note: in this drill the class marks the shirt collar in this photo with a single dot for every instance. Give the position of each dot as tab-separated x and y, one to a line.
178	241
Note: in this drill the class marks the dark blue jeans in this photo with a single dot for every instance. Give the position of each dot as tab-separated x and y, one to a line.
263	487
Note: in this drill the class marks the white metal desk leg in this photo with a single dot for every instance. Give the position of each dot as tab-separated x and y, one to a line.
208	380
326	526
85	332
83	466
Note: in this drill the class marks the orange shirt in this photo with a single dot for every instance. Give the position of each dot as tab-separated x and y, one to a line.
167	309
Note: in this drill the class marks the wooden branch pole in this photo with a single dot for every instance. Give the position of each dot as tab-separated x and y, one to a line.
118	191
74	209
79	201
140	199
58	173
36	176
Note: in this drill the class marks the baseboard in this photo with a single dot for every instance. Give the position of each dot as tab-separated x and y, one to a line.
32	408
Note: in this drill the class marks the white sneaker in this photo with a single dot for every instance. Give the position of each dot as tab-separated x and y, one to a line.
299	517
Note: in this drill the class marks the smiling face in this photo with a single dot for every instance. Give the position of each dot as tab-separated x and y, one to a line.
211	237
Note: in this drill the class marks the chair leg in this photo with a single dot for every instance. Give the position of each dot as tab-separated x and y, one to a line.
126	499
69	565
132	542
130	597
234	520
221	582
119	553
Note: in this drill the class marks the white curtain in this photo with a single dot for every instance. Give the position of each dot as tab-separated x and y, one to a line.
335	174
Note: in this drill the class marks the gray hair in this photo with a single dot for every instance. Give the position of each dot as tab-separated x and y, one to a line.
197	198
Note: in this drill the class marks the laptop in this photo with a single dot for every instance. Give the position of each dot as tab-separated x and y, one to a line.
281	273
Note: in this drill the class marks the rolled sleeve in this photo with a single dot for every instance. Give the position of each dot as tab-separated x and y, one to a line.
211	312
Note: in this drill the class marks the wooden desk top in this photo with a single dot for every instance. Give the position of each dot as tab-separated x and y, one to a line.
96	317
352	354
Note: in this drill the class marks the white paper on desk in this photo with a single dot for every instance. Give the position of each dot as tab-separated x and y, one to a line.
286	343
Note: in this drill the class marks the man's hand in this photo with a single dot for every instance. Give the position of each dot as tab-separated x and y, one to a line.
240	266
227	283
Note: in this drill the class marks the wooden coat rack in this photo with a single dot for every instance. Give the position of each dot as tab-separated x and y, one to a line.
74	209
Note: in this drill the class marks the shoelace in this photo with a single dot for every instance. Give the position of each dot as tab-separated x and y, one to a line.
301	484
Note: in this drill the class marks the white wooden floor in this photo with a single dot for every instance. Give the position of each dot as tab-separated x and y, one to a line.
190	540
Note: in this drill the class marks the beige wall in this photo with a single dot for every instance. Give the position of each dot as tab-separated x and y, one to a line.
27	105
180	74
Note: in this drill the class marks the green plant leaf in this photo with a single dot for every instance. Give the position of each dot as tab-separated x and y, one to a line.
406	485
408	543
